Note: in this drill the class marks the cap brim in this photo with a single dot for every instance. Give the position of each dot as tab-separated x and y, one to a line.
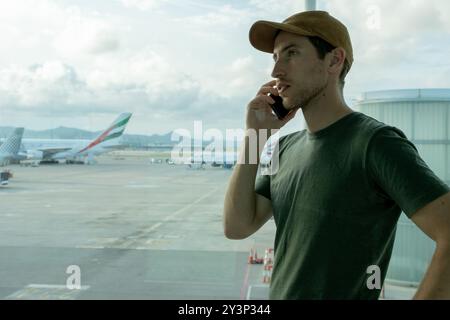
262	34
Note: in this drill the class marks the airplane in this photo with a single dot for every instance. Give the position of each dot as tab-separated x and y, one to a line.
226	159
9	150
77	151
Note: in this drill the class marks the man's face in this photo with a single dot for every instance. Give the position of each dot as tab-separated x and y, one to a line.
300	74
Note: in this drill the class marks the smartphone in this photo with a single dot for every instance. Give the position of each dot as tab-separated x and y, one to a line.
278	108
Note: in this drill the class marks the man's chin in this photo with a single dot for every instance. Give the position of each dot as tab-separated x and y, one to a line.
290	105
294	108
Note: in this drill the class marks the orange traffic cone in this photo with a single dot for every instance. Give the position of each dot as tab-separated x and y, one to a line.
250	257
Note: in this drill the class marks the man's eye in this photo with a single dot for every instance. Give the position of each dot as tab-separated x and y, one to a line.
292	53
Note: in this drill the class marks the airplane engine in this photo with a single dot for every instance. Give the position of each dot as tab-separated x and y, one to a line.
34	155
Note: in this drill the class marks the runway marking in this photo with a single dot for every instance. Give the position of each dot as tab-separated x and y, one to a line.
8	215
189	205
173	215
90	247
156	225
32	192
54	286
190	283
46	292
140	242
250	288
142	186
169	236
244	287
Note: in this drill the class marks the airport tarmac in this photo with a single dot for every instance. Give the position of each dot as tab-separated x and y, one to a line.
136	230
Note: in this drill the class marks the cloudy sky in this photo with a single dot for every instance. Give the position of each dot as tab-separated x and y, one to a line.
171	62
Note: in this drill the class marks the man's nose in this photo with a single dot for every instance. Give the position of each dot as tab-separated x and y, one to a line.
278	71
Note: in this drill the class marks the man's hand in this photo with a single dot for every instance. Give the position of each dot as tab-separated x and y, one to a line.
259	112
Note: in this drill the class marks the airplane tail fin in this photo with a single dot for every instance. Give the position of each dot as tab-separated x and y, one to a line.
115	130
12	144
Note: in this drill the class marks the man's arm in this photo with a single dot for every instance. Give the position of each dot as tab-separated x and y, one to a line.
244	211
434	220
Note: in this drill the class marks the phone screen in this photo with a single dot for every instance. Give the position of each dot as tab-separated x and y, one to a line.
278	108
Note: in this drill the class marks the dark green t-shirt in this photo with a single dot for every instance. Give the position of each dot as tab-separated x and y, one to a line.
336	199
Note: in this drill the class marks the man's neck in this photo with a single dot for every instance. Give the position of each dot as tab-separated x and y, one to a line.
324	111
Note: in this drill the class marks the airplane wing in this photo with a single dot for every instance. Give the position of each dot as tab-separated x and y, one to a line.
49	152
114	147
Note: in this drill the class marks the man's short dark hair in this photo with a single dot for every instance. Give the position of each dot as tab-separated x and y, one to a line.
323	47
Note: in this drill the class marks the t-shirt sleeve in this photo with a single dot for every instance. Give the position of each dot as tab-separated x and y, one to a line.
395	165
262	185
262	182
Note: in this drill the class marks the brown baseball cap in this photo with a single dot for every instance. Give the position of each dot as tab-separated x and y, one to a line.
308	23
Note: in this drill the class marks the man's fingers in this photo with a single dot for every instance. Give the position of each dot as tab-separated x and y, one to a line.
270	83
266	90
261	102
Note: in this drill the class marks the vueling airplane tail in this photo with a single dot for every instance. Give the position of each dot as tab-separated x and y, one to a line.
115	130
11	145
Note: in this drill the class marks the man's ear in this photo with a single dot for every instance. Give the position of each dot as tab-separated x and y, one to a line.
337	59
334	60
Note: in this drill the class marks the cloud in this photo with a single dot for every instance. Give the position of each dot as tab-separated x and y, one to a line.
39	86
232	16
396	43
145	72
277	10
224	16
397	23
51	29
140	81
82	33
143	5
161	97
27	23
243	76
64	59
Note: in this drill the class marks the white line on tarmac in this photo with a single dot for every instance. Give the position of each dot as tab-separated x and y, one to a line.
45	291
90	247
53	286
176	213
189	282
190	205
131	243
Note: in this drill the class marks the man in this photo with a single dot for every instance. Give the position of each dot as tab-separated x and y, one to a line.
342	182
